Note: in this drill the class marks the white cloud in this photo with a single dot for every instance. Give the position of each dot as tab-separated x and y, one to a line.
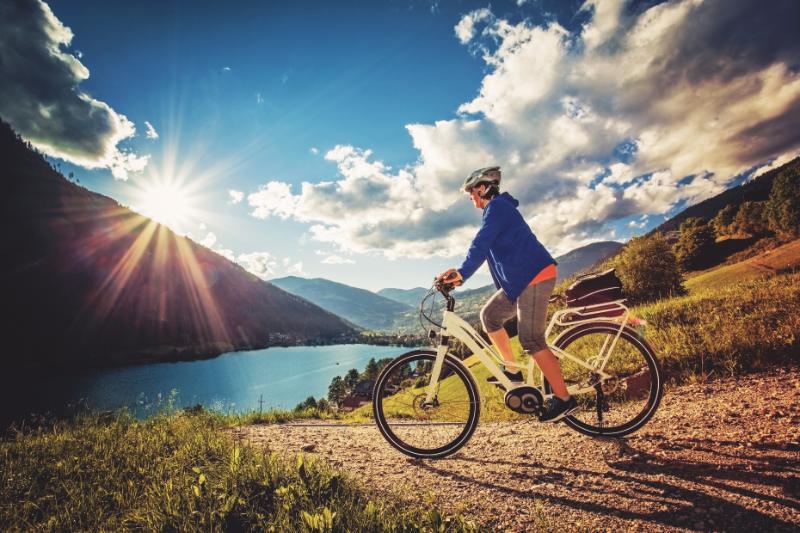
123	163
465	29
50	109
274	198
334	259
296	269
151	131
209	240
262	264
773	164
631	114
314	150
235	196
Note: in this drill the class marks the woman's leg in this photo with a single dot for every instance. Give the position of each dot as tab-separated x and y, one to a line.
497	310
532	316
503	342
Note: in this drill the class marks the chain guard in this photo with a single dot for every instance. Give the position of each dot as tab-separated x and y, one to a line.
525	400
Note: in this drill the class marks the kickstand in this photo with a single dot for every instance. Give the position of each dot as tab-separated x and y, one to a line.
600	404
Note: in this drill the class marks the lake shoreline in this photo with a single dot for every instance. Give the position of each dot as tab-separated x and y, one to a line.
278	377
179	354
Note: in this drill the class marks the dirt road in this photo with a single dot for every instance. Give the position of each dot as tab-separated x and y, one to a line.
718	456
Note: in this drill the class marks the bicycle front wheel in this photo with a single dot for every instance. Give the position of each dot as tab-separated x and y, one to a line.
624	402
420	429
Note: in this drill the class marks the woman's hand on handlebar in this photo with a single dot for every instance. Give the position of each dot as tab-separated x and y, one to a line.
450	276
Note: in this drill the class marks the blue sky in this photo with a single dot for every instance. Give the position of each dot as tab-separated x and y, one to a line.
381	109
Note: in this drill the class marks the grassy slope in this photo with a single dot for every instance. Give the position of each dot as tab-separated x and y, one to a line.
786	257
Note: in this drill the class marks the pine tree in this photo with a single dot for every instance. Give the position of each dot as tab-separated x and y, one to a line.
371	370
336	390
351	379
723	220
696	239
750	218
782	210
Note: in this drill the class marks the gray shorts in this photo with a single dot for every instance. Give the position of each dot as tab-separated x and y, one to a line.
530	310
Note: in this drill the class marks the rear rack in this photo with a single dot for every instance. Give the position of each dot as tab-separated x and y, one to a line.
615	310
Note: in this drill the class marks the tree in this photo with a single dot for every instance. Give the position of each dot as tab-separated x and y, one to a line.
695	241
323	405
371	371
351	379
750	218
649	270
782	209
337	390
723	220
309	403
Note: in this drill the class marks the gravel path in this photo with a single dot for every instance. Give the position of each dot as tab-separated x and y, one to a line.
718	456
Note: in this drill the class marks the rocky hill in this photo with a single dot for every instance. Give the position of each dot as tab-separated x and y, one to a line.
87	282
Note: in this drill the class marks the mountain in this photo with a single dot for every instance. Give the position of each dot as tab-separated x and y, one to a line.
755	190
410	297
585	257
359	306
87	282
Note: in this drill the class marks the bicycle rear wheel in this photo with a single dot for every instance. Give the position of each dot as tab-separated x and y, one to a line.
620	405
417	429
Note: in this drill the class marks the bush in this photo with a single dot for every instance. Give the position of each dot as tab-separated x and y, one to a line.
696	239
649	270
782	210
309	403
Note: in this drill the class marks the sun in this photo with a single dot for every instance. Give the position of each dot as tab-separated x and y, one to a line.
166	203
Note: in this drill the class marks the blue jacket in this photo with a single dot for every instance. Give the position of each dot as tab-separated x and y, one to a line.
515	255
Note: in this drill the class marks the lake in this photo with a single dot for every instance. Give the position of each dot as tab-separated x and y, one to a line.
232	382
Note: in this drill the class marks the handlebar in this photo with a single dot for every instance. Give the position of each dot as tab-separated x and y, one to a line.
444	287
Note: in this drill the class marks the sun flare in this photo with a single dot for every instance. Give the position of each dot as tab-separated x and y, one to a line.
166	203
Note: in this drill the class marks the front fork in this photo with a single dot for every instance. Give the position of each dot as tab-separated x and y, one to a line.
441	352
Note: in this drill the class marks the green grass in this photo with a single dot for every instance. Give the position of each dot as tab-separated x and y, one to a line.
728	328
181	472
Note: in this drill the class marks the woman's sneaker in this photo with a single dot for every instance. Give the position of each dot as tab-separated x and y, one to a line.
513	376
557	409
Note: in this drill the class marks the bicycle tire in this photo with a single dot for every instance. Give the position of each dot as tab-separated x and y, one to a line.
384	389
638	344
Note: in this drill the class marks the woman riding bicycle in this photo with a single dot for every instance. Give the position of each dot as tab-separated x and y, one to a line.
524	273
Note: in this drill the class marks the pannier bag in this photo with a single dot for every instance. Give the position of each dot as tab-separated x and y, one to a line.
593	289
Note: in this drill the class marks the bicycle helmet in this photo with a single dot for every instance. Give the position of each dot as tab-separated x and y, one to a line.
488	175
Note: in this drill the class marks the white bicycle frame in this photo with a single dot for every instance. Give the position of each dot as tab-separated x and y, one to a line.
455	326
